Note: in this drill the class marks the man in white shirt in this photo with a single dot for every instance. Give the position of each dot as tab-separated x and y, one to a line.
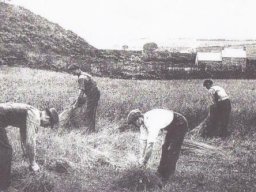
150	124
28	119
219	110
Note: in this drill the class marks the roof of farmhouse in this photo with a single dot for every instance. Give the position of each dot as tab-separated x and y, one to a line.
208	56
226	52
232	52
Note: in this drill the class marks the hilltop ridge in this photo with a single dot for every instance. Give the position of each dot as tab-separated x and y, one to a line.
31	40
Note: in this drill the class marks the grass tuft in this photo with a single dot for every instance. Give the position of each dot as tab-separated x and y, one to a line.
40	182
137	179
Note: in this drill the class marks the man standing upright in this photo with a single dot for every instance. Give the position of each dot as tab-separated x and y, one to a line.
150	123
219	111
87	87
28	119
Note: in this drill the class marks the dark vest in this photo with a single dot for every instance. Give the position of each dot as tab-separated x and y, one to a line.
90	87
13	114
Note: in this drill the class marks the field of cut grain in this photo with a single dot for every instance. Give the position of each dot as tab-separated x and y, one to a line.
107	160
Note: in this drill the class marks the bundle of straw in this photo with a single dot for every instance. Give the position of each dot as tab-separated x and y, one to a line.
65	117
202	148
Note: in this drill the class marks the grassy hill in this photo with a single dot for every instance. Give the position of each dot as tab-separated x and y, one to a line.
28	39
107	160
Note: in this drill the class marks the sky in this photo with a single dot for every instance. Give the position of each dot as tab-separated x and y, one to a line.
109	24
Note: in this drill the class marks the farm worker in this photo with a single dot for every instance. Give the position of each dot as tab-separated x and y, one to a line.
219	110
150	123
87	87
28	119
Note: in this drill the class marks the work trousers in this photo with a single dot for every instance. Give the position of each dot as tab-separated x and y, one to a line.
219	118
92	104
5	160
172	145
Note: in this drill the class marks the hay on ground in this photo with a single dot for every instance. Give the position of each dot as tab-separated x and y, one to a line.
203	148
72	118
137	179
39	182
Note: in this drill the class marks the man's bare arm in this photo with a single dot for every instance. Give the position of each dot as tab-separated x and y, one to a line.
148	153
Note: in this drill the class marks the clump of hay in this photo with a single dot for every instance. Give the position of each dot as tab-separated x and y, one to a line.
137	179
72	118
203	149
124	127
39	182
60	166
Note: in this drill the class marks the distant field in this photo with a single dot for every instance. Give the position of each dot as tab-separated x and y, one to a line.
118	97
75	162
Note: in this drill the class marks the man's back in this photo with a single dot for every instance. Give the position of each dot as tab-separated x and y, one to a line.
14	114
218	93
159	118
154	121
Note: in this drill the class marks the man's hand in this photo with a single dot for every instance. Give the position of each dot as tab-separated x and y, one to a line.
34	167
142	163
73	107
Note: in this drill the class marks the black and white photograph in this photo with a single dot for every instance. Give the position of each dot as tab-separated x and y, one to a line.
127	96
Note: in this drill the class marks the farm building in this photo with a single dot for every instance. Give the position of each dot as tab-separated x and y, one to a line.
229	59
234	59
209	61
209	49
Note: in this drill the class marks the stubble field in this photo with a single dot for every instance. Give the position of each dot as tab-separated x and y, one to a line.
107	160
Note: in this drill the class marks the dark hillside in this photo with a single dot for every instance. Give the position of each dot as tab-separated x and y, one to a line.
28	39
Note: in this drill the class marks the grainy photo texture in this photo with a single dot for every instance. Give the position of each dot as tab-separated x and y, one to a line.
127	96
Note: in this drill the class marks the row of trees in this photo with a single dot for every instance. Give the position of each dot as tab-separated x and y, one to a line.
148	47
149	52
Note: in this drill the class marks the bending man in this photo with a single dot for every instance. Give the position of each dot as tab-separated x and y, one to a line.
27	119
150	124
219	111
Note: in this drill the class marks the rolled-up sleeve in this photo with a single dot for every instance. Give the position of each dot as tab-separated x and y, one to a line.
213	95
143	133
153	134
28	136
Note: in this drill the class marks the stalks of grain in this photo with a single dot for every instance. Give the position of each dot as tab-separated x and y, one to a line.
203	149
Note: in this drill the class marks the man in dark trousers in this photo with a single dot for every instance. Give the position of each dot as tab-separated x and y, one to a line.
87	87
28	119
219	110
150	124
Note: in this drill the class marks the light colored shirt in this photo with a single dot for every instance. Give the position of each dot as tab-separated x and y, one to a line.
218	93
154	121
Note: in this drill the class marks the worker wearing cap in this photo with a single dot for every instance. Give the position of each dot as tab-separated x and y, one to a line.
87	87
219	110
150	124
28	119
